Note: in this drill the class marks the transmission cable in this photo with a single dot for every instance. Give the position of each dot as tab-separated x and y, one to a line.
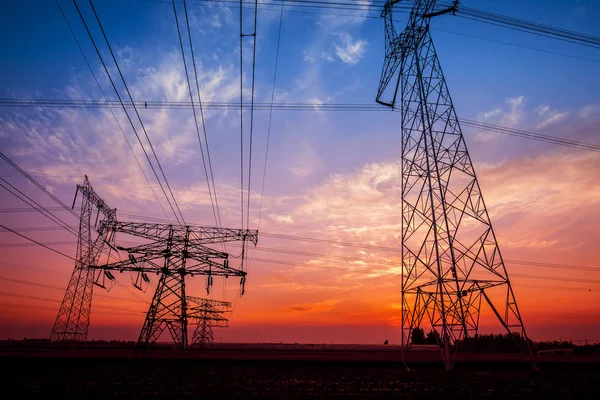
241	114
38	243
111	110
132	103
212	178
252	112
187	76
262	190
338	107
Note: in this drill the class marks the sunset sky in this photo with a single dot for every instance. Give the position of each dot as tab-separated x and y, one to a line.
331	175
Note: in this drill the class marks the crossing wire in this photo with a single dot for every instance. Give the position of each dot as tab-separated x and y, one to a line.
462	11
262	190
241	114
252	112
124	108
332	107
111	110
370	261
212	177
187	77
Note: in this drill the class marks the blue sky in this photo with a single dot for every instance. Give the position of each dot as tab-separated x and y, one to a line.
327	170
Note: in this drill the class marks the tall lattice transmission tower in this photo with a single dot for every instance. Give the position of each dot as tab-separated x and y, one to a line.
73	319
207	314
451	262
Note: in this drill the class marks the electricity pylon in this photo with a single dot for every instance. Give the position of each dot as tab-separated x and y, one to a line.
451	262
174	252
170	251
73	317
207	314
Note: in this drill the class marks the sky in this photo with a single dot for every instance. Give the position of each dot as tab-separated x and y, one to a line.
330	175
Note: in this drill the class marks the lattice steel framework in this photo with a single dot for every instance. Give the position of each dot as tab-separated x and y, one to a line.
207	314
174	252
73	317
451	262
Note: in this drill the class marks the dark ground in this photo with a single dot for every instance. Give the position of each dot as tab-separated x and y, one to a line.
293	372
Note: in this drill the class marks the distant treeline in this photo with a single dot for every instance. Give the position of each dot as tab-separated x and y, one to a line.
501	343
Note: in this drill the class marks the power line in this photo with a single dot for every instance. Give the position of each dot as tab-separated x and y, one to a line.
123	311
36	183
111	110
463	12
241	114
358	107
341	258
530	135
529	27
36	206
252	110
187	77
135	109
516	45
212	177
38	243
43	285
262	190
123	105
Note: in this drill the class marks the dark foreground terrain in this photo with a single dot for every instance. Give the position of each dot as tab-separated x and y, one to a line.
297	373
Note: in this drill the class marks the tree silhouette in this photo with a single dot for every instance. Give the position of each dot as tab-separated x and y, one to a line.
417	336
433	337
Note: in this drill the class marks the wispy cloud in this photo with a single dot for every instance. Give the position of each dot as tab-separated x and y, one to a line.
350	51
547	116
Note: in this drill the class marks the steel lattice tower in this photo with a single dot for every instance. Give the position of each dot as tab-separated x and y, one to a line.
207	314
73	317
451	262
174	252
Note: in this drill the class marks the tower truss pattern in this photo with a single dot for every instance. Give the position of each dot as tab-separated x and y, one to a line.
207	314
73	317
174	252
451	262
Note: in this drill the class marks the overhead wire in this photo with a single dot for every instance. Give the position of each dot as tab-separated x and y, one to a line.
262	190
111	110
187	77
36	183
125	109
370	261
38	243
254	35
36	206
242	114
134	107
337	107
212	177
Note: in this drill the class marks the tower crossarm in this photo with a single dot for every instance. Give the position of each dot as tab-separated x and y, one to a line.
208	302
398	46
149	263
197	234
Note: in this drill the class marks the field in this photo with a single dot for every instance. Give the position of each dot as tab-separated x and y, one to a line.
274	371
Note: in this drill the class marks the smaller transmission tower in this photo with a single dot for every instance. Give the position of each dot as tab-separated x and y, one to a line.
207	314
173	252
73	317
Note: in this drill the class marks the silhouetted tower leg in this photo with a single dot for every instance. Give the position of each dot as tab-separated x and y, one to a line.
203	334
73	317
450	255
168	307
